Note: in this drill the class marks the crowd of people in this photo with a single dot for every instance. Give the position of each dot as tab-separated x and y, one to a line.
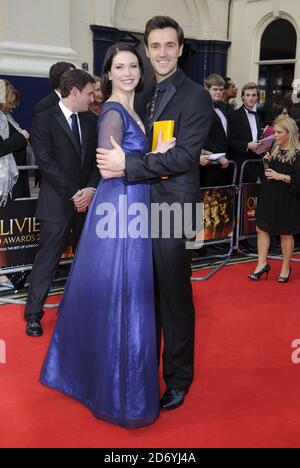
91	138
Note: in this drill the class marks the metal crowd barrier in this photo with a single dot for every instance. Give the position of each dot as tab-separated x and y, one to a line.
241	185
26	267
227	240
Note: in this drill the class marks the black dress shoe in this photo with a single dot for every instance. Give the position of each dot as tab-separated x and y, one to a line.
34	328
172	398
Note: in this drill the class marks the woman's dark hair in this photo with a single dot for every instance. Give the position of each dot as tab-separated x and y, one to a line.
106	87
274	112
162	22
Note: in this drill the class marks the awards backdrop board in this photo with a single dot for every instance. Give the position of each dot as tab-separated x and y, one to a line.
249	204
218	212
20	234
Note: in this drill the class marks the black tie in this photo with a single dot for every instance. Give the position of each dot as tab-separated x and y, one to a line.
75	128
151	106
250	111
216	106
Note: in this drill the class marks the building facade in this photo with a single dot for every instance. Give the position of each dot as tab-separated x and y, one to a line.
247	40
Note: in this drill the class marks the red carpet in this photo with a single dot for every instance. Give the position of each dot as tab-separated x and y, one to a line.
246	389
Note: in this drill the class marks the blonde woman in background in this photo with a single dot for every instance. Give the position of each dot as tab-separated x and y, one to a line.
13	144
278	205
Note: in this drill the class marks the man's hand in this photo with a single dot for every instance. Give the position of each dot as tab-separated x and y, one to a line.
223	162
204	157
253	145
111	160
204	160
83	199
111	174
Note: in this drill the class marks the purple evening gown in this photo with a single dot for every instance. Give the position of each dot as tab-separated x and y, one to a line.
103	349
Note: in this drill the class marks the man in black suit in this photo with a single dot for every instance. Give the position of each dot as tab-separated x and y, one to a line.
212	175
245	132
55	74
64	139
172	97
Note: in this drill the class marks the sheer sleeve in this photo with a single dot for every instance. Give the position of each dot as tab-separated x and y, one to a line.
295	177
111	124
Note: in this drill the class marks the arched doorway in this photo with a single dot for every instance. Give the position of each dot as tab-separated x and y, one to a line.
277	61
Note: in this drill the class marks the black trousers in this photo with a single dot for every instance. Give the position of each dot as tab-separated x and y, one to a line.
53	237
175	313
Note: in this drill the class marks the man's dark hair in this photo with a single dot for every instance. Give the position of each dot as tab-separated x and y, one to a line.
56	72
228	82
106	87
74	79
161	22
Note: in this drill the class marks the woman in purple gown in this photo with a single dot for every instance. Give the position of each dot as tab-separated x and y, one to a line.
103	350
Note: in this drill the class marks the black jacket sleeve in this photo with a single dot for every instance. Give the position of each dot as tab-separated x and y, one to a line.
192	130
295	177
14	143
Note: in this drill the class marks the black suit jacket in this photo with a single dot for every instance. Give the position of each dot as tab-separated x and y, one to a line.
65	167
47	103
190	106
240	135
14	143
216	141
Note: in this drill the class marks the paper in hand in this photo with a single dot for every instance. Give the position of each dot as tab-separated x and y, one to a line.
265	145
216	156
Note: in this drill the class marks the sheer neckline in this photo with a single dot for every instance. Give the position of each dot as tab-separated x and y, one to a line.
141	127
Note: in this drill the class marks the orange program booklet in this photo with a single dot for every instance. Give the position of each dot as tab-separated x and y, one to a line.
167	128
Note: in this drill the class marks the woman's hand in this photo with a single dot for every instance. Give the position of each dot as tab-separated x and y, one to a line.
273	175
267	156
164	146
25	134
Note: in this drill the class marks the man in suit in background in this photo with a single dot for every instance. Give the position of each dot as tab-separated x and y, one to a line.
64	139
230	92
55	74
212	175
245	132
172	97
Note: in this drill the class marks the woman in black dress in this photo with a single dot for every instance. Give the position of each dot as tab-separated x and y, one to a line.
278	206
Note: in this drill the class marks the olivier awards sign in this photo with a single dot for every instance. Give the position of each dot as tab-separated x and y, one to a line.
19	233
